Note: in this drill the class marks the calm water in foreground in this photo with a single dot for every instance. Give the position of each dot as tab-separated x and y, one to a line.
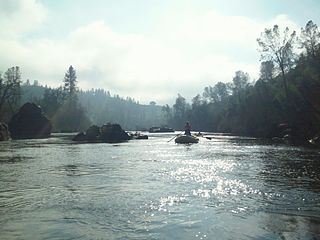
224	188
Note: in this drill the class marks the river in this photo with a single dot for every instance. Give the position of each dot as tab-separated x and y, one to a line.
225	188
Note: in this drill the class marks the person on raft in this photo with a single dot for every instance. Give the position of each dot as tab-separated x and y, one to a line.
187	129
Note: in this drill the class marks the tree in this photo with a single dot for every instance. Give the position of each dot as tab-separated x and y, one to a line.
278	48
240	81
208	93
70	82
166	110
69	116
179	110
52	100
10	87
266	71
310	38
221	91
217	93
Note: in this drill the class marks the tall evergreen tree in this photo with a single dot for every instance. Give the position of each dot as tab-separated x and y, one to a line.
70	82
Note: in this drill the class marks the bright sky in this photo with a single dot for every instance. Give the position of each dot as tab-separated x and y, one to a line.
150	50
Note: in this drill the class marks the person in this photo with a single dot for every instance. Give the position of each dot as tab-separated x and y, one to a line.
187	129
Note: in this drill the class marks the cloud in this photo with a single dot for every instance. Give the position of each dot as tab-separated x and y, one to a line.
181	57
20	16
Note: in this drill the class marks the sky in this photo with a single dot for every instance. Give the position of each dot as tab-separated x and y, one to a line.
149	50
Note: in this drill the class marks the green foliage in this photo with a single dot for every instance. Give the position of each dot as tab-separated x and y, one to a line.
267	71
257	110
181	112
9	92
70	82
101	107
310	38
62	104
70	118
279	48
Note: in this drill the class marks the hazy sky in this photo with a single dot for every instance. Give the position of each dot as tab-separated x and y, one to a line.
150	50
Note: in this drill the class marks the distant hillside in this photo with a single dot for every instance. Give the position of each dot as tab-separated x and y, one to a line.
100	107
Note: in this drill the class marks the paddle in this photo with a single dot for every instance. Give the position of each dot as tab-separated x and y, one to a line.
175	136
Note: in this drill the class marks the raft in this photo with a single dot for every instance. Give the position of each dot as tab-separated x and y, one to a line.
186	139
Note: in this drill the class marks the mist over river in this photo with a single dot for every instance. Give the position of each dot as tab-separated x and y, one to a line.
225	188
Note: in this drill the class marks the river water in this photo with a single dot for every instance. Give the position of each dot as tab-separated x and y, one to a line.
224	188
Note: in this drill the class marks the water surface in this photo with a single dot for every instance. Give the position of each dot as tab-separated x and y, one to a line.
224	188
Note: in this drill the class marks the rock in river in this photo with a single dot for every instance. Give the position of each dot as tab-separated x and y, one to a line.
108	133
4	132
29	122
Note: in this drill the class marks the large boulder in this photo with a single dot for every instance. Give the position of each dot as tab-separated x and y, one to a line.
93	133
4	132
112	133
109	133
29	122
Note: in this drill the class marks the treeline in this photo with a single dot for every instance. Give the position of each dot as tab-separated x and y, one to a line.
71	109
287	92
130	114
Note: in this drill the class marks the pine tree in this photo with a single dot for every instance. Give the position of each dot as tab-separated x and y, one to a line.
70	82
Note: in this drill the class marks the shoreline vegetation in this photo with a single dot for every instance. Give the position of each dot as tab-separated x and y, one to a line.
282	105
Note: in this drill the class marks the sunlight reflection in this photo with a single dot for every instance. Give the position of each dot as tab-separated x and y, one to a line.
201	171
168	201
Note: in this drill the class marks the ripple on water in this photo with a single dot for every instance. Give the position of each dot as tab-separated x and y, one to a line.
155	189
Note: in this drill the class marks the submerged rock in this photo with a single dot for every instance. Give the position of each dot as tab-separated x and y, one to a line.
4	132
29	122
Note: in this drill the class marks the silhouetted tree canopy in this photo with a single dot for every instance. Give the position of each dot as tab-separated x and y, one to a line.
278	47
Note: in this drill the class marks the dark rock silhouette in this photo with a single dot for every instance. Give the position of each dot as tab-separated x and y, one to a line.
93	133
29	122
109	133
4	132
113	133
80	137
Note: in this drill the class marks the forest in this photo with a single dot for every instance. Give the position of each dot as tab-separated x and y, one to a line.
286	93
71	109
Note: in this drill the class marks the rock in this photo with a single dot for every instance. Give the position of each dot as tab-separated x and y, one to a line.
112	133
4	132
79	137
109	133
93	133
29	122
